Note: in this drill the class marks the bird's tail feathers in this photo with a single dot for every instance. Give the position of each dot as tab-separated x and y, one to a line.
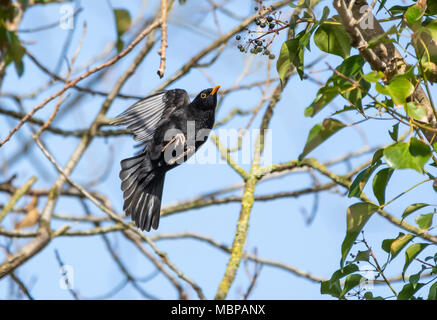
142	191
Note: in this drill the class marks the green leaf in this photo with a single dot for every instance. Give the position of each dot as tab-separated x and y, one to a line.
381	5
332	288
416	111
373	76
398	9
122	24
343	272
414	278
404	155
363	255
369	296
377	155
380	183
381	89
351	282
414	13
360	181
411	253
398	244
283	63
431	28
409	290
119	45
414	207
394	134
325	95
351	68
122	21
291	53
332	38
400	89
319	133
14	50
432	295
325	14
424	221
356	217
431	7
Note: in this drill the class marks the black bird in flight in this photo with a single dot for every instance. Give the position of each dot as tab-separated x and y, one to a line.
171	128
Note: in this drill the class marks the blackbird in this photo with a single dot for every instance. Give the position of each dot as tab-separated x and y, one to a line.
170	129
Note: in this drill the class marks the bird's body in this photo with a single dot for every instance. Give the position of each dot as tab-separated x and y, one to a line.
172	129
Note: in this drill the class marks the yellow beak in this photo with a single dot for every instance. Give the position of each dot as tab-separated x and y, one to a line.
214	90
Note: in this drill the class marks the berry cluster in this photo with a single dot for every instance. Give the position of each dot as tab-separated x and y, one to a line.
261	37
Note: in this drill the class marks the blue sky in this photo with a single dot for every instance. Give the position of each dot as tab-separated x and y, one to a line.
277	230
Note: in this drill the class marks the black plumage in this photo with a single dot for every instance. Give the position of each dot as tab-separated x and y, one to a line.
171	129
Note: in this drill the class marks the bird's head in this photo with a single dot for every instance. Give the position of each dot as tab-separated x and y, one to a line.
207	99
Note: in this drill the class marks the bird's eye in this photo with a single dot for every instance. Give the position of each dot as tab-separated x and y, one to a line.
203	95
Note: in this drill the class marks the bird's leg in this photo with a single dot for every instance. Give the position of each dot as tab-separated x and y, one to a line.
179	138
190	149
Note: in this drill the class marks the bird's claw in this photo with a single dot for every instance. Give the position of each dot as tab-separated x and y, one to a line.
178	138
190	149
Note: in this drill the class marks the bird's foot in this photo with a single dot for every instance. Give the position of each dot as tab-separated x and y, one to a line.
190	150
178	138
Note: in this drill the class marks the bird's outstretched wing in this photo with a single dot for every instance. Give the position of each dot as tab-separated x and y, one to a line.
142	117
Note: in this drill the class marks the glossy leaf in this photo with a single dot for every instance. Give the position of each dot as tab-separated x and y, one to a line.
351	68
396	245
325	95
432	294
380	183
356	217
351	282
412	155
332	38
414	207
373	76
363	255
424	221
332	286
394	134
319	133
291	54
415	12
411	253
409	290
360	181
416	111
399	90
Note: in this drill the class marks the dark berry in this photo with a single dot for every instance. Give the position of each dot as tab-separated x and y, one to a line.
240	46
271	26
258	42
256	8
271	56
269	18
252	51
257	22
262	24
259	49
238	37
